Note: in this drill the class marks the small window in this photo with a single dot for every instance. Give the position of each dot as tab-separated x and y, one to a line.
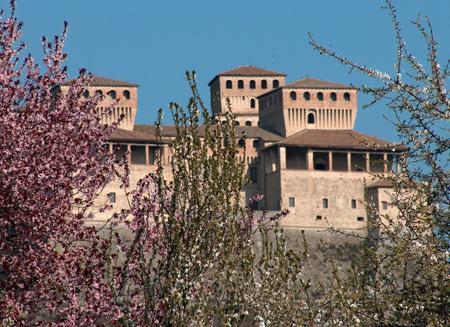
112	94
360	218
255	143
236	123
86	94
320	96
318	217
293	95
333	96
275	83
253	171
241	143
307	96
311	118
229	84
111	197
347	96
264	84
292	202
252	84
99	92
240	84
384	205
353	204
325	203
252	103
126	94
248	123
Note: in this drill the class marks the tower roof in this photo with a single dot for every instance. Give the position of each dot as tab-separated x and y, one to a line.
103	81
248	71
345	139
313	83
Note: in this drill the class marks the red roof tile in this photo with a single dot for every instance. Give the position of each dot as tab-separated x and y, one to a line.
312	83
170	131
122	135
102	81
348	139
248	71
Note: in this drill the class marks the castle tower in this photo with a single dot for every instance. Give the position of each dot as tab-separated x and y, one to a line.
241	86
308	104
122	94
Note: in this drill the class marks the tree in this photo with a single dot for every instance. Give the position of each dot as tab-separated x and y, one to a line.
403	279
53	163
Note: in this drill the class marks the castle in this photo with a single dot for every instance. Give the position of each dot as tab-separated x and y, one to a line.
302	151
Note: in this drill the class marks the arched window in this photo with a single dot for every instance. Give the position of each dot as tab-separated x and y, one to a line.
264	84
86	94
311	118
229	84
126	94
307	96
252	103
236	123
240	84
99	92
333	96
248	123
112	94
347	96
320	96
293	95
241	143
275	83
252	84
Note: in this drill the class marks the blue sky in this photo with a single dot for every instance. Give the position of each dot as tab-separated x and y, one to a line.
153	43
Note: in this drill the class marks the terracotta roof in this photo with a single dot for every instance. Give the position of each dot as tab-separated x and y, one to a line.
382	183
102	81
348	139
133	136
248	71
312	83
170	131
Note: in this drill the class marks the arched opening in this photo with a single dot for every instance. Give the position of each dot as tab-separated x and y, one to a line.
293	95
112	94
248	123
229	84
126	94
236	123
306	96
99	92
320	96
264	84
252	84
240	84
275	83
333	96
241	143
252	103
311	118
347	96
86	94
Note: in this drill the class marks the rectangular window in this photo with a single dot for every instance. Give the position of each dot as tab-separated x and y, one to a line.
353	204
384	205
291	202
360	218
318	217
111	197
325	203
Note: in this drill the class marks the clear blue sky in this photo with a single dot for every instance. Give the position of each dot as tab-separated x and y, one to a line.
153	43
